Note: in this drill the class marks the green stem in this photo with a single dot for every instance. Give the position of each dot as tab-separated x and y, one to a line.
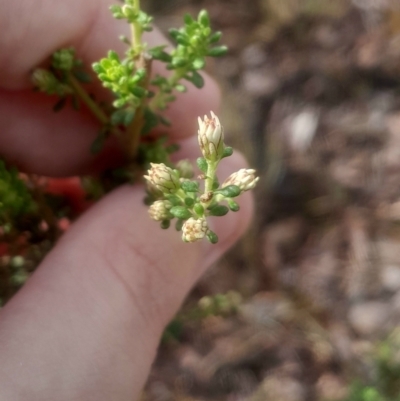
90	103
136	32
210	176
209	182
134	130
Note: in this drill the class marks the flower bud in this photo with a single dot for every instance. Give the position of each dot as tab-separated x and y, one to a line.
193	230
159	210
245	179
211	137
185	168
64	59
163	178
46	82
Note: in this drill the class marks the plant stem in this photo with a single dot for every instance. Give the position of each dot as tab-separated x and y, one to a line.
136	32
210	176
90	103
134	130
209	181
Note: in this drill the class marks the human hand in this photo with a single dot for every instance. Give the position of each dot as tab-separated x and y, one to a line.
87	324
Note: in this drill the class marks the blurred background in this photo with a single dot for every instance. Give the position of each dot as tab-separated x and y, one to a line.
306	306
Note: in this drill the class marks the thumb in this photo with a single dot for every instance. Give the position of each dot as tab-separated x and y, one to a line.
87	324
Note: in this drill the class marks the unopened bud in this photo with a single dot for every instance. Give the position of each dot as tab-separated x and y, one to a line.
245	179
211	137
159	210
185	168
193	230
163	178
64	59
46	82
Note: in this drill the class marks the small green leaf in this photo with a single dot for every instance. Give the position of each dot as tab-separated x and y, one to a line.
231	191
119	117
180	212
203	18
97	68
174	33
202	164
165	224
112	55
150	121
233	205
179	224
218	210
139	92
228	151
190	186
116	11
180	88
189	202
182	40
175	200
215	37
129	115
178	62
212	237
217	51
187	18
198	63
196	79
158	53
199	209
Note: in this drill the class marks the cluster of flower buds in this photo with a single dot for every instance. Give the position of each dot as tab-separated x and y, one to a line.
176	195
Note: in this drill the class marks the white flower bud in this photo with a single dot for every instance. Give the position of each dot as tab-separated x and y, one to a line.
193	230
245	179
211	137
159	210
163	178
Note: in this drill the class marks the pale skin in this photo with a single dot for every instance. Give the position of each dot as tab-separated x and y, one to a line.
87	324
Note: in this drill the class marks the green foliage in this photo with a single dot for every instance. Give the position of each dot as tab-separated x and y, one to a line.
15	198
64	59
195	41
122	78
131	12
